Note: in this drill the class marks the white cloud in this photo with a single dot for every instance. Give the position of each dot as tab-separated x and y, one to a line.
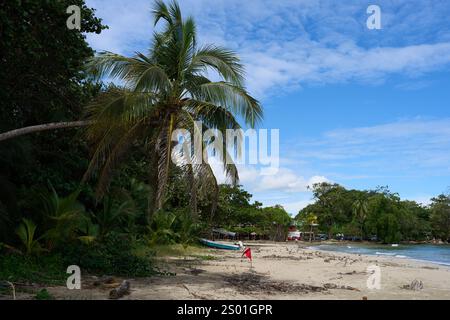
410	147
424	200
301	62
130	26
289	44
294	207
287	180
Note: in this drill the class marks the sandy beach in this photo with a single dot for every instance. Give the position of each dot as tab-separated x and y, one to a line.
279	271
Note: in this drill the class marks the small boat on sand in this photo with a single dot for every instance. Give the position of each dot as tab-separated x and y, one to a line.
219	245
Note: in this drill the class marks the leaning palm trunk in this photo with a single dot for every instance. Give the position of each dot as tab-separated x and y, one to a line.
41	127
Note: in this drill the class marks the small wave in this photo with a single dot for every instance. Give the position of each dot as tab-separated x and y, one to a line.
442	263
385	253
400	256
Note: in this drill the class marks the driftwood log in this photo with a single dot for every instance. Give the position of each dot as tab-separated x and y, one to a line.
11	285
415	285
121	290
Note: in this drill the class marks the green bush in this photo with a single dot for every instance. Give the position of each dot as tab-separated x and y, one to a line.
44	269
43	294
113	255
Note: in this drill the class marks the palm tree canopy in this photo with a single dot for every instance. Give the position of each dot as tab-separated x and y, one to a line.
163	90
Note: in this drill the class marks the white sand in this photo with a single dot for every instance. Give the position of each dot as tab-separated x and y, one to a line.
285	263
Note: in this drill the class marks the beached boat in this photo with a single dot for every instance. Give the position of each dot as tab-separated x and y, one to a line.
219	245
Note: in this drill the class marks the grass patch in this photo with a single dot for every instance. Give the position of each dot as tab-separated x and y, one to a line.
205	257
174	250
116	255
46	269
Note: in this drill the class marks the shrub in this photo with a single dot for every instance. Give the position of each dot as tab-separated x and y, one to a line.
114	254
44	269
43	294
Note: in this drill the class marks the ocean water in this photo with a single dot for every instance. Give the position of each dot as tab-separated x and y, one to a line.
438	254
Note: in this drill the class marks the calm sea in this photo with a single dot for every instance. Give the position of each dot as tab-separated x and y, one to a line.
439	254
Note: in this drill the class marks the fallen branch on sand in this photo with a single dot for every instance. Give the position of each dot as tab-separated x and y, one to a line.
120	291
351	273
336	286
193	294
276	257
11	285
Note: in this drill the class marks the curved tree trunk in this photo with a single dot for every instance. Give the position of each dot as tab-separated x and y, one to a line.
41	127
193	198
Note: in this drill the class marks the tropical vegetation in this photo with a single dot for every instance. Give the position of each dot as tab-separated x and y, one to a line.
86	174
377	214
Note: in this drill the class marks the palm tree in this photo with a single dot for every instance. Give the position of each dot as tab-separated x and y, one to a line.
161	91
360	212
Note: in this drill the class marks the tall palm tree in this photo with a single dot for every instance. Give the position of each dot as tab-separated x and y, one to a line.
360	212
159	92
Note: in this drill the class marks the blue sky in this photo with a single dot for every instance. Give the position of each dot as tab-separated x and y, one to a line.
354	106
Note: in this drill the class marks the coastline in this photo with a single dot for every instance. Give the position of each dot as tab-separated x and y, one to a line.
381	254
279	271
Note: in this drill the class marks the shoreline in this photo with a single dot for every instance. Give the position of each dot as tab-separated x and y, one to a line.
279	271
381	255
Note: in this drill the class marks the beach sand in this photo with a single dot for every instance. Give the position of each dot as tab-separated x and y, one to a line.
279	271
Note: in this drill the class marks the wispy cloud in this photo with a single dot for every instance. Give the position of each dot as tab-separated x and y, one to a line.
286	187
289	44
284	181
414	147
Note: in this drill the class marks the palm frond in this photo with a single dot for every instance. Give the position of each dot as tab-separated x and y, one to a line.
212	115
224	61
233	98
160	11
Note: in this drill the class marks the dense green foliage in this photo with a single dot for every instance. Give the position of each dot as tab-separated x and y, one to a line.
236	213
45	269
113	255
440	216
50	216
377	213
41	81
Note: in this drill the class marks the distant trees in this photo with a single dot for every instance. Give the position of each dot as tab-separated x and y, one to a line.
331	205
440	216
378	213
360	212
236	213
